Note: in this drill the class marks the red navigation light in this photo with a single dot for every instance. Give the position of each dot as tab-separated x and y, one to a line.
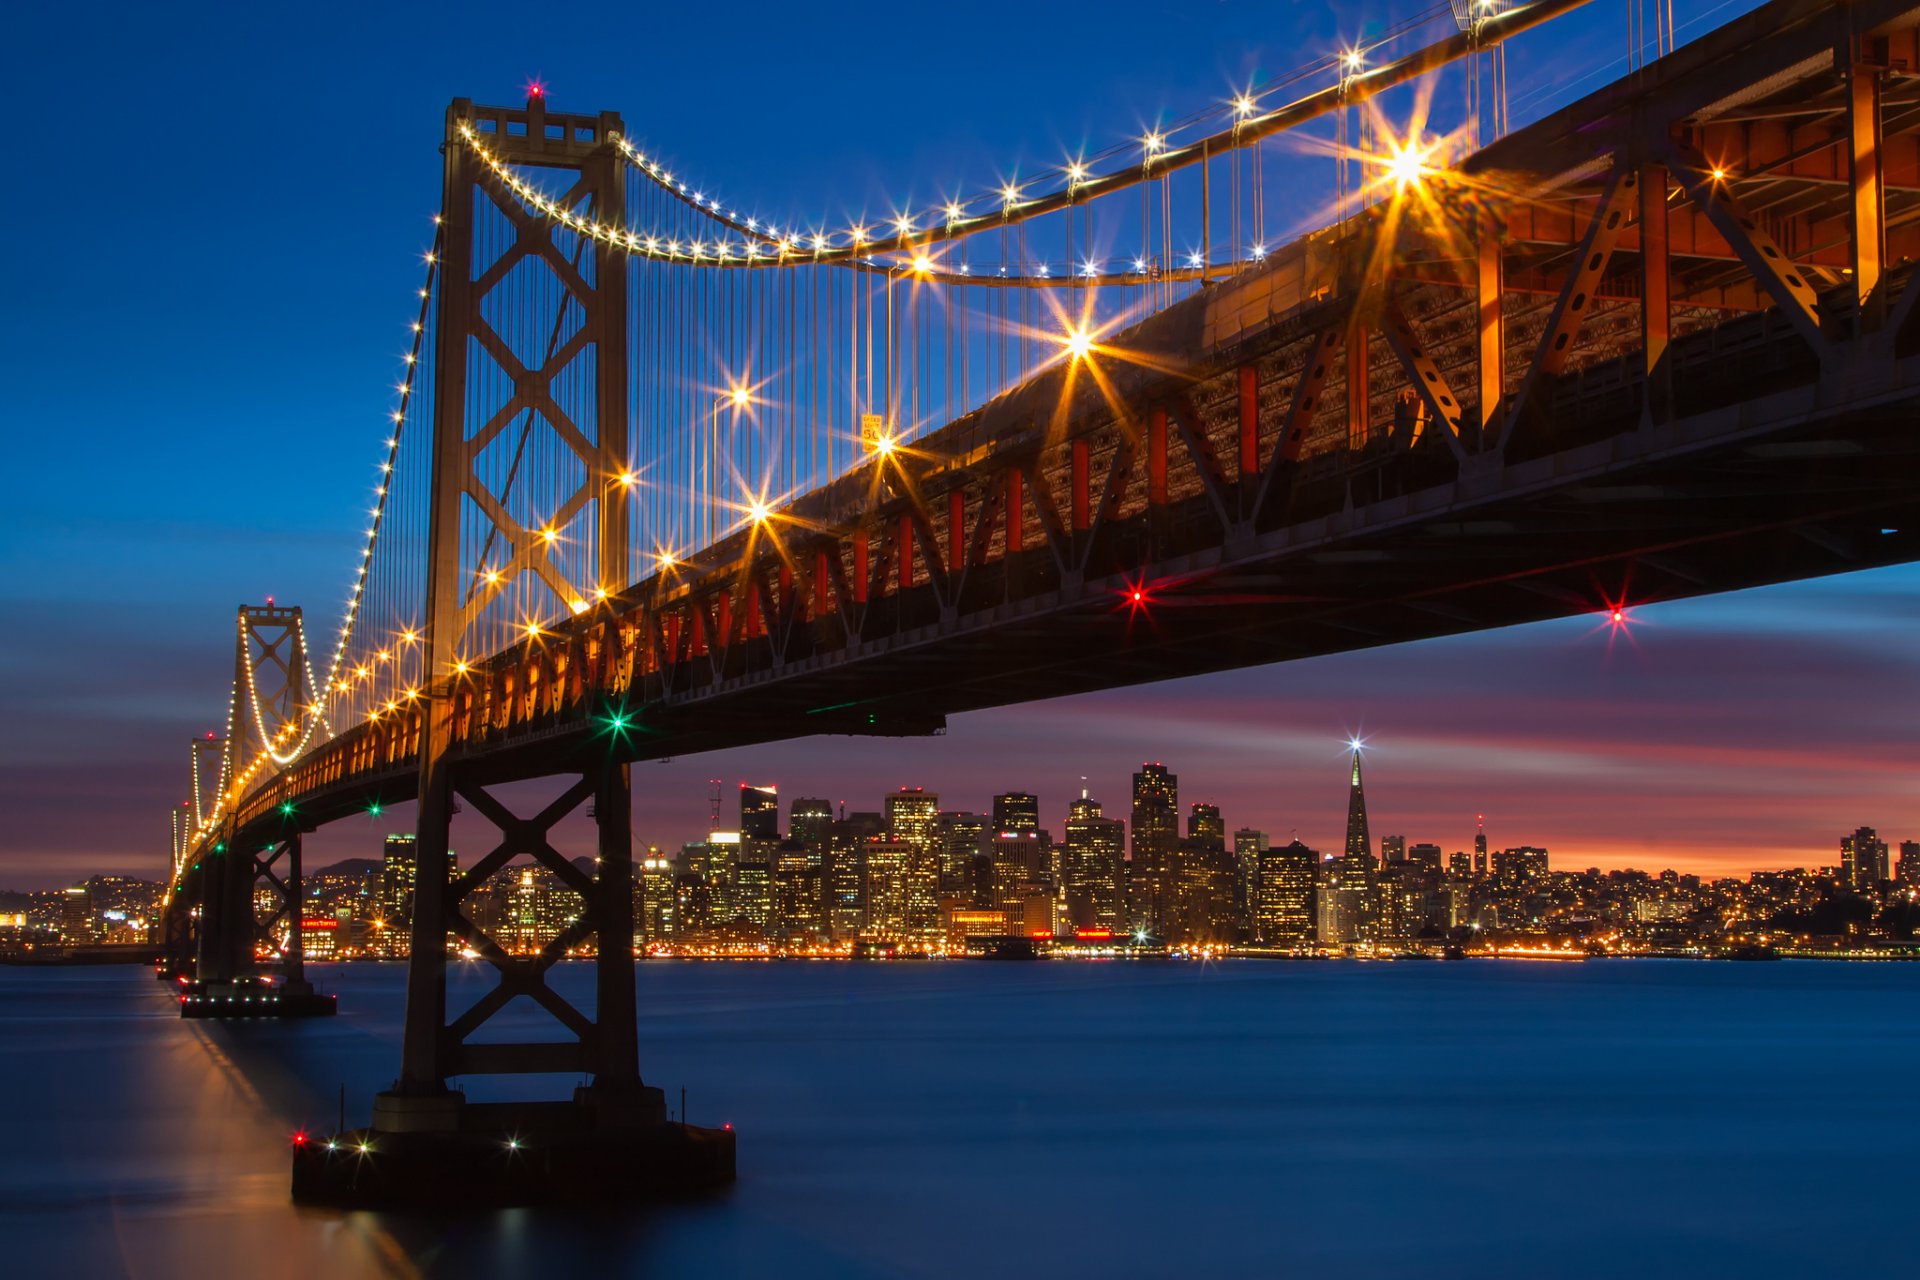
299	1137
1619	615
1139	595
728	1126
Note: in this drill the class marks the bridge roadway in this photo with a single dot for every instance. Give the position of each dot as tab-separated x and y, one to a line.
1226	485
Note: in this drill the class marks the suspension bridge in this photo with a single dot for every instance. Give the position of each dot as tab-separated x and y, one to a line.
665	477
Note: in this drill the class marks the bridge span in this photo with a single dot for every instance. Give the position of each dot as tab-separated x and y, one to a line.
1658	344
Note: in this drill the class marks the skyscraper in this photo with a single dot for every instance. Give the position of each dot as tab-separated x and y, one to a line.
1016	811
1863	859
760	812
913	817
1248	845
1348	885
913	820
1156	835
1359	844
808	820
1283	912
1204	900
1094	846
966	872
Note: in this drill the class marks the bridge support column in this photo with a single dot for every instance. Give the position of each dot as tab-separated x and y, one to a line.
611	1137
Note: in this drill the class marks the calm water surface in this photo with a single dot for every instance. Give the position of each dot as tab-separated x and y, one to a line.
974	1119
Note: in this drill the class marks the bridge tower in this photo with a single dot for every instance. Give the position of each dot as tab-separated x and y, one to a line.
270	721
495	545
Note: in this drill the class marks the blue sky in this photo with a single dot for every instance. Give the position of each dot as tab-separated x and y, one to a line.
212	242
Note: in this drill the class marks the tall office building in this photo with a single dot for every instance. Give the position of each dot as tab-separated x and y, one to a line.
966	872
1283	912
808	820
1347	886
1019	874
889	863
1156	838
76	916
539	908
1016	811
913	816
846	887
1091	864
1480	865
1359	844
760	812
1204	898
653	918
393	917
1248	845
1863	859
1909	869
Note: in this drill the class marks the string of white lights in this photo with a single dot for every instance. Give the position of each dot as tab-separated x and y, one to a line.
312	715
1243	115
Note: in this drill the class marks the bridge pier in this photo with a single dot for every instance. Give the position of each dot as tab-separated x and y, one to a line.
227	980
427	1143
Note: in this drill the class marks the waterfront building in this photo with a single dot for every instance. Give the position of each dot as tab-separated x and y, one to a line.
1020	871
887	888
76	917
1283	913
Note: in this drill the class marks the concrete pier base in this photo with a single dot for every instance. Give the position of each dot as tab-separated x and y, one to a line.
251	999
444	1152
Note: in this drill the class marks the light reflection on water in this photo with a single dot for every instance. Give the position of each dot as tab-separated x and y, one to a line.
972	1119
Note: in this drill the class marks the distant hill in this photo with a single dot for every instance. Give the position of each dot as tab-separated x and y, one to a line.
352	867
